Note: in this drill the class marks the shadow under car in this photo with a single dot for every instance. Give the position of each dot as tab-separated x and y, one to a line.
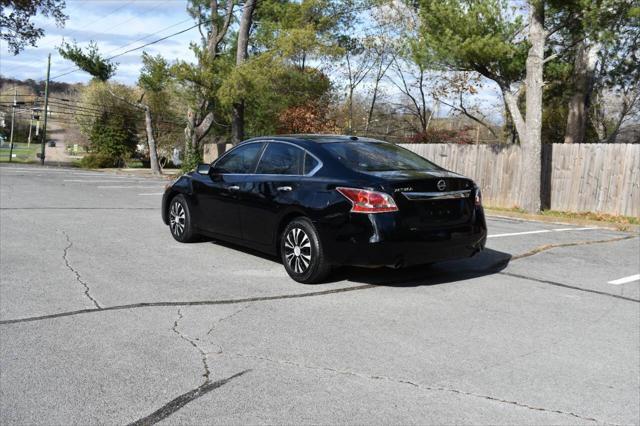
486	262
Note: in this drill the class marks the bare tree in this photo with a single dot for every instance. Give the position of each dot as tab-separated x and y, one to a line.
384	57
410	79
359	62
612	109
452	89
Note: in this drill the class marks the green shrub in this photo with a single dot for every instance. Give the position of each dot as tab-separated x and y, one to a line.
98	161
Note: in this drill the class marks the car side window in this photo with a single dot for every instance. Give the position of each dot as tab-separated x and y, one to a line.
281	159
310	163
241	161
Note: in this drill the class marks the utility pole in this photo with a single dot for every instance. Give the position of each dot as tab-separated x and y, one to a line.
13	120
30	126
46	111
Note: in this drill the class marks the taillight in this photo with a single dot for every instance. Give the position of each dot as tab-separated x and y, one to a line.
364	201
478	197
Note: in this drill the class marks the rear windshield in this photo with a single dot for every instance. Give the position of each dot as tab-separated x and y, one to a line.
377	157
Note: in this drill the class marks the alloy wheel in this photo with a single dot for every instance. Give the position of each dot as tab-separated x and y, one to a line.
297	250
177	219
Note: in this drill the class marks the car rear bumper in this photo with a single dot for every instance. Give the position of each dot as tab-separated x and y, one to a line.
381	240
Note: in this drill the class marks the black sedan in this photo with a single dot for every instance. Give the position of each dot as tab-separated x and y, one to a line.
321	200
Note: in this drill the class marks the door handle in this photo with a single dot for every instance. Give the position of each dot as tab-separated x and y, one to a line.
284	188
233	188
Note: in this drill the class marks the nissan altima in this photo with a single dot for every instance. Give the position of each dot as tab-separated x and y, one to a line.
318	201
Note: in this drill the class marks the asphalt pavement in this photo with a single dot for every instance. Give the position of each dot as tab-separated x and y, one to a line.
105	319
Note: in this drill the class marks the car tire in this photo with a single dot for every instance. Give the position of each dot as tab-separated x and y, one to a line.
302	254
180	223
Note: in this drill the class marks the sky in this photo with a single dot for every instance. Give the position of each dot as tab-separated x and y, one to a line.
116	26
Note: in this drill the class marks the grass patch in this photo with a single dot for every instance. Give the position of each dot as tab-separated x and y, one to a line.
23	154
506	209
600	217
622	223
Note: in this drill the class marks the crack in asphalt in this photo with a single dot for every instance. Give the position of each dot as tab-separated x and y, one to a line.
547	247
182	400
192	342
189	303
207	386
420	386
226	318
76	273
494	267
572	287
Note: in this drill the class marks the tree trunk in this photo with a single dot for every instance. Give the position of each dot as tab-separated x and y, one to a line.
151	140
382	70
532	144
371	107
583	79
190	131
237	124
511	101
350	112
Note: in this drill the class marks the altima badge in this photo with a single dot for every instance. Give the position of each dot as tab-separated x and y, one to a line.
442	185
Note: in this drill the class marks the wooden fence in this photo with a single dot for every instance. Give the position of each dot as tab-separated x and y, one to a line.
601	178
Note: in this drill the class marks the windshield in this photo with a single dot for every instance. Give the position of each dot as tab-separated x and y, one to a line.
378	157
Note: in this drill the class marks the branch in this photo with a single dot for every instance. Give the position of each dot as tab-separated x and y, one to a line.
227	21
555	55
464	111
138	105
406	91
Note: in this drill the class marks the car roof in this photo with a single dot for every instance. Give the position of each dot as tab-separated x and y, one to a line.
317	138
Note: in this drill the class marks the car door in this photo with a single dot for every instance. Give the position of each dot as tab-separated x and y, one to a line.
274	187
219	193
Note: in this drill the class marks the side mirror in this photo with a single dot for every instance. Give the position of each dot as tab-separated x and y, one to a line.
203	169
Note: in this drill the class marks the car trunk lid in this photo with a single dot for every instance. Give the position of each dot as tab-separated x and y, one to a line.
429	199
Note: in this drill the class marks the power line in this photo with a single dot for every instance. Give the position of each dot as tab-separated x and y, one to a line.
82	110
87	25
206	21
149	35
141	47
117	9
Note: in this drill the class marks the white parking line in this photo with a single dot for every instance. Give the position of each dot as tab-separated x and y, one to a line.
540	231
629	279
153	193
